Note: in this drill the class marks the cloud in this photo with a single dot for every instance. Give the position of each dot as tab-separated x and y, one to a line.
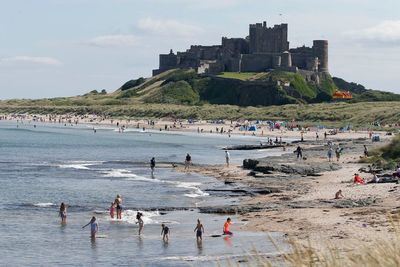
119	40
29	61
168	27
386	32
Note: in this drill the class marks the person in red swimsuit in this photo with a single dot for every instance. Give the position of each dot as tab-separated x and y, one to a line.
227	224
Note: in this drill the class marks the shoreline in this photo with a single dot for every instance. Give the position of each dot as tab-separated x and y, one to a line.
203	127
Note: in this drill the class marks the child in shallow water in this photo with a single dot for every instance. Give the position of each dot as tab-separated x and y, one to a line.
94	227
112	210
165	232
227	224
140	222
63	213
199	230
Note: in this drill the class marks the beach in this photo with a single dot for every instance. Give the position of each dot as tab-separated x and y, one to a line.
305	209
282	196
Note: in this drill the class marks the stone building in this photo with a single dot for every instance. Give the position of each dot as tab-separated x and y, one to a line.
266	48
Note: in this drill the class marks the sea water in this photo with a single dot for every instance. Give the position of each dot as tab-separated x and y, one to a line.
42	166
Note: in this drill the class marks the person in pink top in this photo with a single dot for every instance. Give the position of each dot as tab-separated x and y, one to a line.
112	210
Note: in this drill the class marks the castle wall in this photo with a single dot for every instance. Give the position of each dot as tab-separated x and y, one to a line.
235	46
188	59
301	55
268	40
168	61
256	62
205	52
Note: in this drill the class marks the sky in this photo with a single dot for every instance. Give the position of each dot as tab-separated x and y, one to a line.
51	48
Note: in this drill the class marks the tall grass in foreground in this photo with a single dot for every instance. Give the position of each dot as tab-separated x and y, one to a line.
377	253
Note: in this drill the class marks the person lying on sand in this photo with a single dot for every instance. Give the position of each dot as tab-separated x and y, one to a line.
339	194
375	179
358	179
397	173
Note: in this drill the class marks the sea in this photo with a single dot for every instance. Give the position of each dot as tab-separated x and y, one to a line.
42	165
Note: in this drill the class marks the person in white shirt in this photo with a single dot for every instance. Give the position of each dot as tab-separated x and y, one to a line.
227	157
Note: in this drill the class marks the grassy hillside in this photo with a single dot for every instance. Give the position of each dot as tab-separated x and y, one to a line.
242	89
184	94
361	94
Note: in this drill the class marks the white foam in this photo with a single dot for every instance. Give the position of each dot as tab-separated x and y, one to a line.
79	165
75	166
129	216
44	204
195	193
123	173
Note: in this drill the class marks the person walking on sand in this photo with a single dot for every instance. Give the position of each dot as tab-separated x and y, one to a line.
112	210
152	165
330	154
199	231
118	204
338	151
339	194
188	161
299	152
63	213
165	232
94	227
365	151
140	222
227	225
227	157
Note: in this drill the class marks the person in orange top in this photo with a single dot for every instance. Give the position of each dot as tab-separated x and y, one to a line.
227	224
358	179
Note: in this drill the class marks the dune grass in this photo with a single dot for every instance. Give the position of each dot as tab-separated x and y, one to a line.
386	157
379	252
329	114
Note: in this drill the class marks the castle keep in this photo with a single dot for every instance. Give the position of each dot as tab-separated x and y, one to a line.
266	48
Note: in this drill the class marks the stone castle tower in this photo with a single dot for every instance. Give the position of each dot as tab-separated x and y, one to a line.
266	48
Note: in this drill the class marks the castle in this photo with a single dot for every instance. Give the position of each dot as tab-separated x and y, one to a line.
266	48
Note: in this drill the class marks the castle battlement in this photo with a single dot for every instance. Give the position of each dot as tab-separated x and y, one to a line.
265	48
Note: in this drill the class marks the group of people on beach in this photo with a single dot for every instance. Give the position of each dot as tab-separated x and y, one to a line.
165	230
115	210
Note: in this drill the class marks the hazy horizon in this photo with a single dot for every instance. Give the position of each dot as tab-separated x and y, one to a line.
56	48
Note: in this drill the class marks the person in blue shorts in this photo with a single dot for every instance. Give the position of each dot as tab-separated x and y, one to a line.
199	230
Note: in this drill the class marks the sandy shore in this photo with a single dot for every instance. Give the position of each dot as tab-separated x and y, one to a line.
305	206
202	127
